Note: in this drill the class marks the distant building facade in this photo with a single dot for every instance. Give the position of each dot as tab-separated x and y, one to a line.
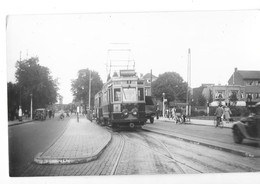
223	94
147	78
251	82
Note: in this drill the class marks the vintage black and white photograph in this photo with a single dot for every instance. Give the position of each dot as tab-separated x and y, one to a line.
133	93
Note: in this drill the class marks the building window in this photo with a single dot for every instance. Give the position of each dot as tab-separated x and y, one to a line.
242	95
219	95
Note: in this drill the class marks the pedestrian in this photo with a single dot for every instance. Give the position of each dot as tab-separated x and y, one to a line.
184	114
78	114
227	113
219	112
20	113
174	114
50	114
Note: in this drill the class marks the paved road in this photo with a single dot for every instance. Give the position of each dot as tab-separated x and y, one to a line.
210	135
26	140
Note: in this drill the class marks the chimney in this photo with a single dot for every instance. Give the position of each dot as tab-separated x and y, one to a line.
236	69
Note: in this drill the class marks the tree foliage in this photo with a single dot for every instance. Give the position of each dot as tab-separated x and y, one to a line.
199	98
32	78
12	98
172	84
202	100
80	86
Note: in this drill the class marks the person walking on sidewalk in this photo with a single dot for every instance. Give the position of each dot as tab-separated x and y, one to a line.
78	114
20	113
219	112
227	113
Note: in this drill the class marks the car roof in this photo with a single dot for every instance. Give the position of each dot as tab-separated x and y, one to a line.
257	104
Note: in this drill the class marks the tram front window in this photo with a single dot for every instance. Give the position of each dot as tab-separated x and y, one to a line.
117	94
129	94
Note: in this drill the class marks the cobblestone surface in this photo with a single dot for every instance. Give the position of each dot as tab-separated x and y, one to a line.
102	166
78	140
139	159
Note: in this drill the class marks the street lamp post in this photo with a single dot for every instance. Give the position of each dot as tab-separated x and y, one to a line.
163	103
89	93
31	107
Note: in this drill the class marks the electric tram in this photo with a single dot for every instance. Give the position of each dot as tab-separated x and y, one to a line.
121	102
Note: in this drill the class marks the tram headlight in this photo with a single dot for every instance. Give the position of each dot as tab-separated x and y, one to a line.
125	112
135	111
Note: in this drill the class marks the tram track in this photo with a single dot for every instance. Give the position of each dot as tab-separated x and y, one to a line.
122	145
227	163
183	163
169	156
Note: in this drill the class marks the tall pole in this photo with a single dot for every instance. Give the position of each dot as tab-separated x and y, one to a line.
189	83
20	84
89	92
151	82
163	104
31	107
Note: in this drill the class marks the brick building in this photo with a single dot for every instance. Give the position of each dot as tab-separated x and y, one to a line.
250	80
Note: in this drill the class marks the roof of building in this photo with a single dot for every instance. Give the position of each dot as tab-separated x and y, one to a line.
148	75
246	74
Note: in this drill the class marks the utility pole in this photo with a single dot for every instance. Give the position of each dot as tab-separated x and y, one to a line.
188	110
151	79
89	92
31	106
20	84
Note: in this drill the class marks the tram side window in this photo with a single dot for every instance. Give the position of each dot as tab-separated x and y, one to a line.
140	94
117	94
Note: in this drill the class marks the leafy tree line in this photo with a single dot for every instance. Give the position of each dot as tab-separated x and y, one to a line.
31	79
173	85
80	87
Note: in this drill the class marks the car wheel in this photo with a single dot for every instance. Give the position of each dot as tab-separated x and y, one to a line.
151	120
237	135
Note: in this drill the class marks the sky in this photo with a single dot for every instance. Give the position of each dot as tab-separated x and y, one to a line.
159	41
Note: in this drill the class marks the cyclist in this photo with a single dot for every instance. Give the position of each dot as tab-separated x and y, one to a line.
219	112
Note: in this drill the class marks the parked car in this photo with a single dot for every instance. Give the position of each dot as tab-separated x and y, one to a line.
40	114
249	127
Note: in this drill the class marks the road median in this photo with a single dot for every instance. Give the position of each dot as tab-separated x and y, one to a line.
82	142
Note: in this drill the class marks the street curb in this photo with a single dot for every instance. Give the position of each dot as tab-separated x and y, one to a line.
237	152
20	123
194	124
76	160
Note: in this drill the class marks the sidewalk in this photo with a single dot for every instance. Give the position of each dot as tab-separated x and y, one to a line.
198	122
220	139
17	122
82	141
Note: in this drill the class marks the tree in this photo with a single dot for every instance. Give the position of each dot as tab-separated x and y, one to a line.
172	84
80	86
201	95
202	100
13	96
32	78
